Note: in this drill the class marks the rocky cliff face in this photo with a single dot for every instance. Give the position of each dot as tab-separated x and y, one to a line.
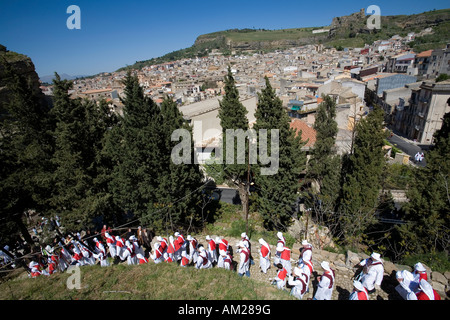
341	25
20	65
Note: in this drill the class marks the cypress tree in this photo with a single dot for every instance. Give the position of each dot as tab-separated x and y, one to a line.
26	146
136	148
179	187
232	116
323	170
278	192
427	212
80	190
362	180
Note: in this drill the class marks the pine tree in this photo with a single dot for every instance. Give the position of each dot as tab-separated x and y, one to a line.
427	212
323	170
362	180
278	192
232	116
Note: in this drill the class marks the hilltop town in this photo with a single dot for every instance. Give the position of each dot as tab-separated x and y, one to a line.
387	72
95	169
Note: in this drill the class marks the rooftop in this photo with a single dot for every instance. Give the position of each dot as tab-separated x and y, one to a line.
308	133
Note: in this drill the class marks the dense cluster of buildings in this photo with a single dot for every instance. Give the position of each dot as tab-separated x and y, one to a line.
398	79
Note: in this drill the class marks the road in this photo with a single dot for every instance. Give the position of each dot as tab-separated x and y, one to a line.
409	148
229	195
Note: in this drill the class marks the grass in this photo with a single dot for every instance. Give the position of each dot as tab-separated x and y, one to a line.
142	282
437	261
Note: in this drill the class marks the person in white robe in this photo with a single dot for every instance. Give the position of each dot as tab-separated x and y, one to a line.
88	257
244	262
372	273
212	253
111	243
136	245
120	246
298	281
203	261
326	283
285	256
406	284
100	253
281	278
64	257
264	255
305	252
193	252
359	292
306	270
157	254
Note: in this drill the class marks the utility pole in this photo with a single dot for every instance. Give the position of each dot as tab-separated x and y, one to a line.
247	207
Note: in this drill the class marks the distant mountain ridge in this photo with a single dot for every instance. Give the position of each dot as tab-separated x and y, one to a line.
344	31
64	76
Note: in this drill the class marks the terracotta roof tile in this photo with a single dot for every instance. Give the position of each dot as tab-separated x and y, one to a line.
307	131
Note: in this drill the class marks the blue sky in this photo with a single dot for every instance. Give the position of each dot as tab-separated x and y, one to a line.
115	33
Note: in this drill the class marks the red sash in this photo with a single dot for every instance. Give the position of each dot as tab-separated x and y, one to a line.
163	244
303	283
282	274
177	244
223	246
205	260
286	254
247	254
310	266
362	295
132	253
142	261
184	261
331	277
264	251
212	245
158	253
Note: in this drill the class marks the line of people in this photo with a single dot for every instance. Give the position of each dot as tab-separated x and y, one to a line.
415	286
74	251
217	252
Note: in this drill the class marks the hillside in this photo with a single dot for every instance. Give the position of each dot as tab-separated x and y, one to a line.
142	282
168	281
15	63
345	31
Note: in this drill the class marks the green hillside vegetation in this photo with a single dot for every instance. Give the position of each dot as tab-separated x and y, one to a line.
164	281
352	33
252	35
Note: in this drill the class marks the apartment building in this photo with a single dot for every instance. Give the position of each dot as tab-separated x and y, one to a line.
423	117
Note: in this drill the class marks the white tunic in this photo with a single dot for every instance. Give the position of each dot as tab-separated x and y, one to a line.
324	291
299	286
244	265
264	262
373	276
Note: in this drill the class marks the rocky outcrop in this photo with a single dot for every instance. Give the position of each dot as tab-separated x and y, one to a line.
18	64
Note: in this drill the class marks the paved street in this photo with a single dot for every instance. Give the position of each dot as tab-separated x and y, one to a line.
229	195
407	147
